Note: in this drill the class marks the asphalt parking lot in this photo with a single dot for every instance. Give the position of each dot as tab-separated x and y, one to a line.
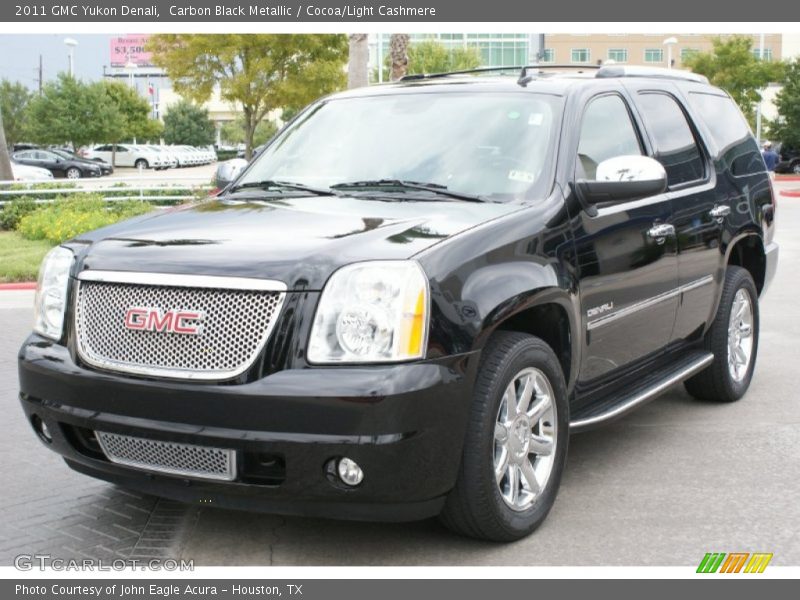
663	486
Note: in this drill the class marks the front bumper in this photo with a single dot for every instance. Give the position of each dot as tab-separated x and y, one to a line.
403	424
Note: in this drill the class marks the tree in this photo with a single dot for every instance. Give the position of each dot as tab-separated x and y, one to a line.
434	57
261	73
186	123
787	127
6	174
233	132
398	55
72	111
732	66
357	71
14	100
133	120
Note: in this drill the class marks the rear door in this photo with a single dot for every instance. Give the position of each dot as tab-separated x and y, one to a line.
625	252
698	212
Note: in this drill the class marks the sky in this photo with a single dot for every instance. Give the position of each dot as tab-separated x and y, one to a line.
19	56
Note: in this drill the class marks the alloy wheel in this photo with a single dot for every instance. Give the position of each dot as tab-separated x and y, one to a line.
740	335
525	439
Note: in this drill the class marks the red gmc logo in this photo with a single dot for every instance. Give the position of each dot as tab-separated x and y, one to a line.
163	321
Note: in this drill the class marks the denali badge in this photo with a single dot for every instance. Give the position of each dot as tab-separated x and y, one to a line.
163	321
599	310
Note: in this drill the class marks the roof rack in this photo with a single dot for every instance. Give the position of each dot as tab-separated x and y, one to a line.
418	76
526	72
610	71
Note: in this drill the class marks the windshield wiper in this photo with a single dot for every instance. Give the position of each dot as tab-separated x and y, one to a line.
270	184
435	188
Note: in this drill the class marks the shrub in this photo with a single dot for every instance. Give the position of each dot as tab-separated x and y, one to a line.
68	217
14	210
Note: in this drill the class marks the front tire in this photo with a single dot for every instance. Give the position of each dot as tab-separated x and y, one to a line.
732	339
516	442
73	173
141	164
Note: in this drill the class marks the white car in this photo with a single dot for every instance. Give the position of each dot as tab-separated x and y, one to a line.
183	156
27	173
128	155
165	153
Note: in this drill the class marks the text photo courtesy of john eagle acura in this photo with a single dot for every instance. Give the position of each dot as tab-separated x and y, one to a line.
405	305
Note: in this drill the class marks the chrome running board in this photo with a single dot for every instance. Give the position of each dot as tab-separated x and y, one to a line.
607	410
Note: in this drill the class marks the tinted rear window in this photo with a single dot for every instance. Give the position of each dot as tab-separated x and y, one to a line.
738	150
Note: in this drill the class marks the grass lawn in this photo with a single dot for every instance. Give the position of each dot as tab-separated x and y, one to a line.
20	258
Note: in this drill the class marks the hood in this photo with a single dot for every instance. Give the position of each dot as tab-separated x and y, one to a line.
299	241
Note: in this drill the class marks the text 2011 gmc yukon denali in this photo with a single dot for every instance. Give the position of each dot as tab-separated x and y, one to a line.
410	299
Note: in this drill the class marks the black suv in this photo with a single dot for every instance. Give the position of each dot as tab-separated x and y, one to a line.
404	306
789	160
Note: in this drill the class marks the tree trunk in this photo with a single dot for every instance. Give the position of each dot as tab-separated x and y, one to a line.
357	70
398	51
6	174
114	155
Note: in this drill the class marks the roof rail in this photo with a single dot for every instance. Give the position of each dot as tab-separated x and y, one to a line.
610	71
418	76
525	77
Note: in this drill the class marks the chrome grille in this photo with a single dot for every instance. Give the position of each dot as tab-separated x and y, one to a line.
169	457
235	325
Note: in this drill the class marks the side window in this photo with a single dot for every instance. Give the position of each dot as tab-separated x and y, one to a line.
738	151
675	145
606	131
119	149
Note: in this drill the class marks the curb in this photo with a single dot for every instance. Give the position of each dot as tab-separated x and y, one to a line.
790	193
24	285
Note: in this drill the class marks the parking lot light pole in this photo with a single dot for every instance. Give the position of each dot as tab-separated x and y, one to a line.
70	43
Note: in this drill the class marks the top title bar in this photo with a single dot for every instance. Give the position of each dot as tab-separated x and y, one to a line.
464	11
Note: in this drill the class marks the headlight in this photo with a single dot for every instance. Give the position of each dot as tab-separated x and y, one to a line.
372	312
51	293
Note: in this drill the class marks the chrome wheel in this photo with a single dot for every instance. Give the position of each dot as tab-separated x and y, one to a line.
740	335
525	438
73	174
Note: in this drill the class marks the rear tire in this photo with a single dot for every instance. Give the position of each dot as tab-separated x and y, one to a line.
485	504
732	339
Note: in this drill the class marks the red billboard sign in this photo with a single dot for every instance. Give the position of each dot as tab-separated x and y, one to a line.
130	48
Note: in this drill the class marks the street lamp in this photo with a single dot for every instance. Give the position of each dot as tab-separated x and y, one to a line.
70	43
669	43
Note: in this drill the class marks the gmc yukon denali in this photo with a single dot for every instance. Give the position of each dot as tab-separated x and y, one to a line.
410	299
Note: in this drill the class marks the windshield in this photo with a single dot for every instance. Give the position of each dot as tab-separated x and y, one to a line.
494	146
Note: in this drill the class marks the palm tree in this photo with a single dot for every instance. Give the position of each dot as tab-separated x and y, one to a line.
6	174
398	51
357	71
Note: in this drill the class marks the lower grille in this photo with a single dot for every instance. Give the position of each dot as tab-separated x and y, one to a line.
169	457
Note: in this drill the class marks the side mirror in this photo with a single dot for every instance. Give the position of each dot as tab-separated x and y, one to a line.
623	178
228	171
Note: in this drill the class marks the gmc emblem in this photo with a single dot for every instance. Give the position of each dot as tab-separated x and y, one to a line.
163	321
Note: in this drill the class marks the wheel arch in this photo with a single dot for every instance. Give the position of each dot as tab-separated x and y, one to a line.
549	313
746	250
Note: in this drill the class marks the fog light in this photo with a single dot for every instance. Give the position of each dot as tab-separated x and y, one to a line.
349	472
41	429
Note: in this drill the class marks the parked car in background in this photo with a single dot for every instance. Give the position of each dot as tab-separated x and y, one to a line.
105	168
167	155
127	155
59	165
185	157
26	173
790	160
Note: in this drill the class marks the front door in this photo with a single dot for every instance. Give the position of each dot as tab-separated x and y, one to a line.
626	253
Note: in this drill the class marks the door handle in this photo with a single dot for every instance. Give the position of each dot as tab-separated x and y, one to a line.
660	231
719	212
